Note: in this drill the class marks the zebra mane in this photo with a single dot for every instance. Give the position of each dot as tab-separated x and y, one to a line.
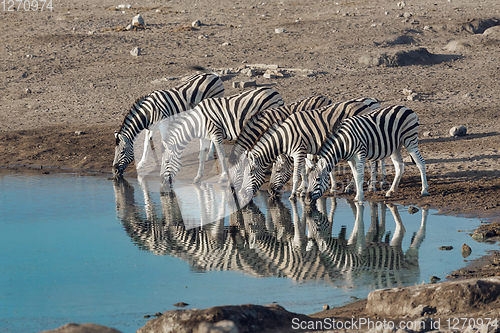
136	104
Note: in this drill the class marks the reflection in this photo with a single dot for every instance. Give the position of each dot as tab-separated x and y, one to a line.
273	238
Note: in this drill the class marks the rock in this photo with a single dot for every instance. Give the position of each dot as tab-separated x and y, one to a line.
196	24
458	131
279	30
181	305
123	6
486	231
401	4
82	328
412	210
413	97
326	307
493	32
426	134
247	84
400	58
138	21
79	132
435	279
407	15
246	318
466	250
446	297
457	45
225	44
446	248
136	51
224	326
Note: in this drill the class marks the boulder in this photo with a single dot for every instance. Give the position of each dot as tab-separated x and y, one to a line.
82	328
458	131
246	318
493	32
448	297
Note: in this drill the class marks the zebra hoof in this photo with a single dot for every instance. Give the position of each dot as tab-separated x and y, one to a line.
293	197
389	193
425	193
196	180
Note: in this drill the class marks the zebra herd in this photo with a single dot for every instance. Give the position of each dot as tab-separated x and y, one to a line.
269	133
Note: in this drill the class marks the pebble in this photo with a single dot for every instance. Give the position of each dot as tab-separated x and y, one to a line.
435	279
135	51
458	131
412	209
279	30
326	307
446	248
466	250
138	20
401	4
180	305
196	24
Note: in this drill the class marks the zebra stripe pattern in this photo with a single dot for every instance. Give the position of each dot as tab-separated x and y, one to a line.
372	137
213	119
283	167
300	134
148	110
260	123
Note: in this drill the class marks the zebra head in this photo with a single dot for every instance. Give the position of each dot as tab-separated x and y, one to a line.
124	154
170	164
281	173
253	176
318	181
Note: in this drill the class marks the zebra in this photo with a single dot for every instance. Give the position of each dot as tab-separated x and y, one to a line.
300	134
213	119
261	122
371	137
148	110
283	166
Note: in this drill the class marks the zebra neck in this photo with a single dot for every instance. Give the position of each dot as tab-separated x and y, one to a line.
334	150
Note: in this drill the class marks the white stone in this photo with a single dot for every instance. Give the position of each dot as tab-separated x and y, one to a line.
138	20
458	131
196	24
135	51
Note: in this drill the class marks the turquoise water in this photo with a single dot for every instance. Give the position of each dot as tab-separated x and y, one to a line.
85	249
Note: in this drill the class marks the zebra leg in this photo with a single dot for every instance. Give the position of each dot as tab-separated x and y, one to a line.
204	146
399	167
298	168
357	164
382	174
372	185
217	140
419	160
333	181
147	146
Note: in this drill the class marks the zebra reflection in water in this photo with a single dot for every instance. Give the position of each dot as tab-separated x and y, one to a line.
290	240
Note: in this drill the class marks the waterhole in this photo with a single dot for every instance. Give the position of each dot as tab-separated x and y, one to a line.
88	249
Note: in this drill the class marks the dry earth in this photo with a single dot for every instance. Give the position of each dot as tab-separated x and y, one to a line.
70	70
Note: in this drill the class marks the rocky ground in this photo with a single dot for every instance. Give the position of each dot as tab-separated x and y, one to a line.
68	77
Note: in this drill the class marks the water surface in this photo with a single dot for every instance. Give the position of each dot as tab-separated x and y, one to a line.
87	249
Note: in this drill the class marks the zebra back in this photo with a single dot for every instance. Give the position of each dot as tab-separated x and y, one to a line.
161	104
378	133
229	114
262	121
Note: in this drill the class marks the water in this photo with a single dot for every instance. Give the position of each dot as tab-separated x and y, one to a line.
85	249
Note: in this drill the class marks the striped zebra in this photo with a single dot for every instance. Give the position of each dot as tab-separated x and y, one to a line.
213	119
371	137
148	110
262	121
283	166
300	134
